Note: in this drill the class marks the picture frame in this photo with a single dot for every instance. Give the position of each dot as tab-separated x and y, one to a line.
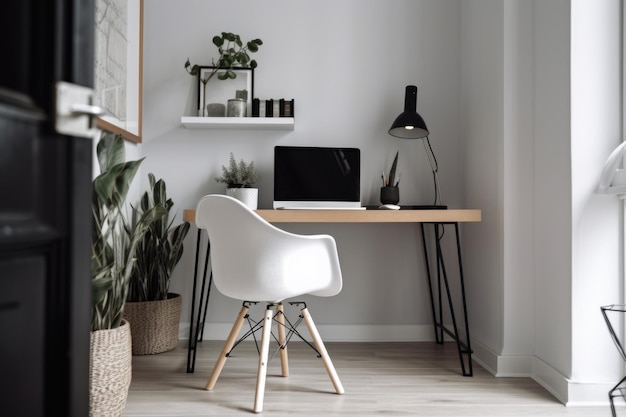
118	66
220	91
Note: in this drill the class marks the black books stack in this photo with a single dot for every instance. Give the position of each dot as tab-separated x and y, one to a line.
273	108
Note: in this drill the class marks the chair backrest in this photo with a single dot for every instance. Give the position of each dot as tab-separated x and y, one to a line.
253	260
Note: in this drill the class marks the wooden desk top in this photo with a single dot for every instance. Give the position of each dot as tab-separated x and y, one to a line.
362	216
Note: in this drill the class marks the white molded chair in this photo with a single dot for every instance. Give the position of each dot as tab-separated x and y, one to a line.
254	261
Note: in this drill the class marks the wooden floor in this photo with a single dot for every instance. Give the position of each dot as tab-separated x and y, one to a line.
393	379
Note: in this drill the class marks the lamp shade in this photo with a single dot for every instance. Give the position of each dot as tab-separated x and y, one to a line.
409	125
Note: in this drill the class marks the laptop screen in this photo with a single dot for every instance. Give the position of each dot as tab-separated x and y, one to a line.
317	177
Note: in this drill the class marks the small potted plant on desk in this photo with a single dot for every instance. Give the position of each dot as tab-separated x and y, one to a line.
389	192
240	179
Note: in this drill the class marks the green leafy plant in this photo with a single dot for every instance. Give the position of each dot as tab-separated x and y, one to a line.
232	52
390	180
238	175
159	249
115	239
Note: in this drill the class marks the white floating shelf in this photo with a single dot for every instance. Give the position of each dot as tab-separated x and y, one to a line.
269	123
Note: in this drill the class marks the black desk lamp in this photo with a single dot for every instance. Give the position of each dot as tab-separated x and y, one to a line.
410	125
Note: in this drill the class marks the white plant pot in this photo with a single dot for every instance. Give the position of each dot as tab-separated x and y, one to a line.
248	196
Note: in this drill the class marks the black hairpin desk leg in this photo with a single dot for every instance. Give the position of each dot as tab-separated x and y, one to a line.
197	332
464	349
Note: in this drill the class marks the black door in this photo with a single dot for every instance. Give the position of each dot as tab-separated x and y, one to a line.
45	218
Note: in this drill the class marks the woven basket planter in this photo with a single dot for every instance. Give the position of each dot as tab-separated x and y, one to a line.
154	324
110	371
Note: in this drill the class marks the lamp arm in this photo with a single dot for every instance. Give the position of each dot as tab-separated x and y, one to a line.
434	166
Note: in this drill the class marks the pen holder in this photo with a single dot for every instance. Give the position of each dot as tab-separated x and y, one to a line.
389	195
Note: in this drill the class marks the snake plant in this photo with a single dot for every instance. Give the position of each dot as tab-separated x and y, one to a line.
159	249
115	239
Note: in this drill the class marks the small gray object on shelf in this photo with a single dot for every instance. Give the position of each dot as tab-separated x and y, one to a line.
215	110
236	108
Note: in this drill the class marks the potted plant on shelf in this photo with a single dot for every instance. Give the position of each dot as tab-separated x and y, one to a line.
239	179
232	53
115	244
154	312
389	192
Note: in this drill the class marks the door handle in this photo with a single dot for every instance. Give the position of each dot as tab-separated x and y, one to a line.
86	109
75	110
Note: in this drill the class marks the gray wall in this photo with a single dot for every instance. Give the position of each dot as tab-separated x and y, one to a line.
346	65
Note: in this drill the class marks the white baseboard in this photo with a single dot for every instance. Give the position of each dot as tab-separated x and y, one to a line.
551	379
572	394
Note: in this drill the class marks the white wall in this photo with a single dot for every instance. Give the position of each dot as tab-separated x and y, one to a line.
346	65
481	122
547	118
552	191
597	229
500	92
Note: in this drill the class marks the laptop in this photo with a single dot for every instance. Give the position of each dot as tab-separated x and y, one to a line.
307	177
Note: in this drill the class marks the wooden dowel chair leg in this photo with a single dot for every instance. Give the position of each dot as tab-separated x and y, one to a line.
263	358
282	340
322	350
230	342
